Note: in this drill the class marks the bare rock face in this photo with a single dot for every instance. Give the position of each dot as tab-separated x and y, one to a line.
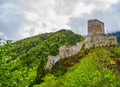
96	37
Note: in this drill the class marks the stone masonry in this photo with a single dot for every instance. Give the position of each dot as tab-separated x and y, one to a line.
64	51
96	37
95	27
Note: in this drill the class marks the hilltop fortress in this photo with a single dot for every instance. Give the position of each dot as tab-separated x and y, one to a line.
96	37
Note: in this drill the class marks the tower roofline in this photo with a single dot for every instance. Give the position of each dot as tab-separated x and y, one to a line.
95	26
91	20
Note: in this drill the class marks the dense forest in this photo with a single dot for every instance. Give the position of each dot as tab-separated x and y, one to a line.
22	63
21	60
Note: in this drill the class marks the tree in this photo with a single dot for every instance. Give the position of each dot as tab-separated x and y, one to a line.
5	73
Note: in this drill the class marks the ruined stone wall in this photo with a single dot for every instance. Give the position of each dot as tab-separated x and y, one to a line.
51	61
100	40
89	42
95	27
96	37
64	51
67	51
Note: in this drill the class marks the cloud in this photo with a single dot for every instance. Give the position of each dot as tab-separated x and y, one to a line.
2	1
25	18
47	16
43	20
65	7
78	25
10	18
103	11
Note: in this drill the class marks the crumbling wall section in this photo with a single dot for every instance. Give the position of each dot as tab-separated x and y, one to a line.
100	40
90	41
96	37
64	51
67	51
51	61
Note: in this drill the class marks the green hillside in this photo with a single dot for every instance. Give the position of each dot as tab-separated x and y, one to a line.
92	68
23	61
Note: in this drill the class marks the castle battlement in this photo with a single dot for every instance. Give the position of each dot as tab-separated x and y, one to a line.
95	27
96	37
94	20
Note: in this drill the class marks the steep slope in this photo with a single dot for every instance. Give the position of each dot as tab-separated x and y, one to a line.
22	63
28	57
49	42
96	67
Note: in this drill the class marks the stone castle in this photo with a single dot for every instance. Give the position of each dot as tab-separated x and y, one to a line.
96	37
95	27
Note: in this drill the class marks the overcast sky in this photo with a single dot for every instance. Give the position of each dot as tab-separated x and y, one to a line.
24	18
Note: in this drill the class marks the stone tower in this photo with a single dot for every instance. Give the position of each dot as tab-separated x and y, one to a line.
96	37
95	27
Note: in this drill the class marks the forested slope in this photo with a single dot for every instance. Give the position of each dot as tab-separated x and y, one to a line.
95	67
24	60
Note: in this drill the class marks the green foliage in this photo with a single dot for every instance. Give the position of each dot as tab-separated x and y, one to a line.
4	66
22	63
12	73
50	80
115	51
89	72
63	65
32	49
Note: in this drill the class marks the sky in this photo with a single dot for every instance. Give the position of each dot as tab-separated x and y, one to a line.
25	18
